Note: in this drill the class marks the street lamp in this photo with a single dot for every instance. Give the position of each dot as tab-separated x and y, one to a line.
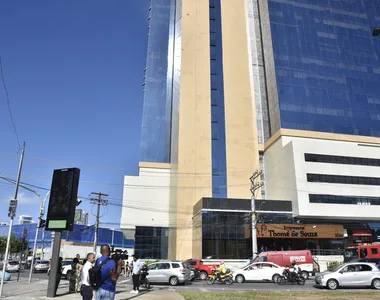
376	31
42	212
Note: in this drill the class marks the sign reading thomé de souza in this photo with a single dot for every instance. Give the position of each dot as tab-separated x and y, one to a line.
300	231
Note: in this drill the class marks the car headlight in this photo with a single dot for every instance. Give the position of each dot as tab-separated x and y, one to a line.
321	277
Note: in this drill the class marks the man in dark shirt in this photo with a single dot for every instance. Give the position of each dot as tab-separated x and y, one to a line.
110	272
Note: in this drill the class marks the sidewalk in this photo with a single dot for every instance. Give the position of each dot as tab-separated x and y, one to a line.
37	290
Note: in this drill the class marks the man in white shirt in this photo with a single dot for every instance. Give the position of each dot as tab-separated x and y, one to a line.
85	289
137	266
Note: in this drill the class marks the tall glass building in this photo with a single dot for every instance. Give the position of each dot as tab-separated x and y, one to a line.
326	65
158	85
289	87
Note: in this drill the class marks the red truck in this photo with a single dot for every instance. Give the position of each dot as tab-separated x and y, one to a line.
203	269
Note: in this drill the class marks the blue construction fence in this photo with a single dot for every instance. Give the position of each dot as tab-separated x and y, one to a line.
80	234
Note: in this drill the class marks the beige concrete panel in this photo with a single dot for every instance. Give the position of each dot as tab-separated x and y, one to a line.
241	133
197	236
194	142
151	165
321	135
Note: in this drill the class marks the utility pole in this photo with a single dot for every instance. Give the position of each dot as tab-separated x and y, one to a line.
254	186
12	214
98	201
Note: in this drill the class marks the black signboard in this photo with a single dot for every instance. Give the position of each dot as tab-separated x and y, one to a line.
63	199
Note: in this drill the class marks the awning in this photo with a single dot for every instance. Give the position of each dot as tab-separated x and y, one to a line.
361	233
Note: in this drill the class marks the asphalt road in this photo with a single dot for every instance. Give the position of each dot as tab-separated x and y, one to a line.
202	286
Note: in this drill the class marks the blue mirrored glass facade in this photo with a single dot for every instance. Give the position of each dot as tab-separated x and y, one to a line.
327	64
218	131
157	107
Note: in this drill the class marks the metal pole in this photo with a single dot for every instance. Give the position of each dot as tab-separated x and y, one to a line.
254	232
12	215
113	236
51	291
42	243
42	207
97	227
254	187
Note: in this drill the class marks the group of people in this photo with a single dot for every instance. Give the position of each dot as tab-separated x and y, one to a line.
109	271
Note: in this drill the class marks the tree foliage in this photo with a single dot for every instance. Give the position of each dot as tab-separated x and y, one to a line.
16	245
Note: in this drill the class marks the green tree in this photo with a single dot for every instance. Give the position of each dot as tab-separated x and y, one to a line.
16	245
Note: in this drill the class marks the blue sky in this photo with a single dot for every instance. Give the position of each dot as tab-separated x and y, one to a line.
74	72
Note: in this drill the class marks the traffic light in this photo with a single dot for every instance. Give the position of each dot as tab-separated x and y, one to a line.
42	223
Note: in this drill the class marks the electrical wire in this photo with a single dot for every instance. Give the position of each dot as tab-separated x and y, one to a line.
9	104
172	172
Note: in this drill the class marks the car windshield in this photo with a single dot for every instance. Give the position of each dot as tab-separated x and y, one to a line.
13	263
335	269
43	262
350	254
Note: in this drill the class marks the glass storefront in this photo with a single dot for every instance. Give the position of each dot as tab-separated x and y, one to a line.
224	235
151	242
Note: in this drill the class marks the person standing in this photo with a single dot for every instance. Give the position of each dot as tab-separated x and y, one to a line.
110	272
75	276
136	270
85	288
127	269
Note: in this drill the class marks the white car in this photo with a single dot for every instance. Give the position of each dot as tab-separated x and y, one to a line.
258	271
13	266
350	274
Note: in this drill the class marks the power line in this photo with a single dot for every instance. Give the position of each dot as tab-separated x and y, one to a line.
98	201
8	103
172	172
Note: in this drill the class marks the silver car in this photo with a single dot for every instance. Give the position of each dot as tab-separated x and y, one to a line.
172	272
41	266
350	274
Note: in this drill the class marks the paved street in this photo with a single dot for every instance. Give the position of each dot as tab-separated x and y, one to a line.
37	290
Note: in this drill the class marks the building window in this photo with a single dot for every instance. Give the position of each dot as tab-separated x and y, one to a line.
218	145
224	235
344	160
152	242
350	200
340	179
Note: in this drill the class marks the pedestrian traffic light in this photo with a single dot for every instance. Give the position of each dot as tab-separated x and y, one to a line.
42	223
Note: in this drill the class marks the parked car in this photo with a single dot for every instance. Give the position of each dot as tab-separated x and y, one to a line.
172	272
66	266
41	266
201	269
13	266
350	274
258	272
303	258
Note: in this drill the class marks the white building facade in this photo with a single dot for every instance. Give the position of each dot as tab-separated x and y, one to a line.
25	219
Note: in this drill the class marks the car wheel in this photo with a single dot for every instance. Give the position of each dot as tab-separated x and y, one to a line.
275	278
239	278
305	275
376	283
203	275
332	284
173	281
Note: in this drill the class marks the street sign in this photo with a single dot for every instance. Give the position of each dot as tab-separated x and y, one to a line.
63	200
12	208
